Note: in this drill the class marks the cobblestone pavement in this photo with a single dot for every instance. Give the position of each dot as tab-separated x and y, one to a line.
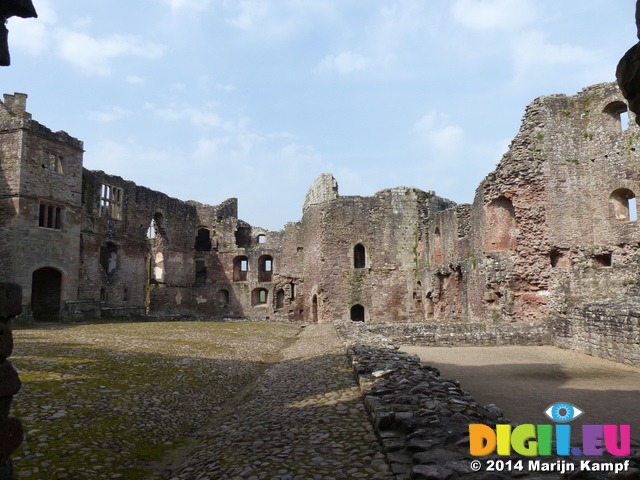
302	420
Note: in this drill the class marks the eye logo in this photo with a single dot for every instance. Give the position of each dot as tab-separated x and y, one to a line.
563	412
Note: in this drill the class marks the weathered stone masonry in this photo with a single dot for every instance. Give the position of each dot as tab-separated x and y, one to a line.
551	237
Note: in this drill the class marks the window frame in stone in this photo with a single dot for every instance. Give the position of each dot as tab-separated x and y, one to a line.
111	201
50	216
52	162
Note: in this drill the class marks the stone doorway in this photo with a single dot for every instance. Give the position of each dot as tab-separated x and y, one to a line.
46	289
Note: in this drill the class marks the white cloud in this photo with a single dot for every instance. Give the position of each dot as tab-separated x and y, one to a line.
110	115
33	34
494	14
94	55
435	130
349	62
187	5
536	59
135	80
274	21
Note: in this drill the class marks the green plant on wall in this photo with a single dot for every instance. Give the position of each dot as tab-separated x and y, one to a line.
572	160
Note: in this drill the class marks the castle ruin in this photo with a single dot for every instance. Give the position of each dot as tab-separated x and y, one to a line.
551	241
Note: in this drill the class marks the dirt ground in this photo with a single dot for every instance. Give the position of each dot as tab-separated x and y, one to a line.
524	381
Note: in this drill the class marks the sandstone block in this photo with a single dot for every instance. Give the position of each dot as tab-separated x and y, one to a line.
9	381
11	436
6	342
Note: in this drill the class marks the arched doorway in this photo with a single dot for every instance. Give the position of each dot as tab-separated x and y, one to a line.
357	313
46	289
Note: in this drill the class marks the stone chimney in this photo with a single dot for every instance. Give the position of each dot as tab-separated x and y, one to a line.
17	104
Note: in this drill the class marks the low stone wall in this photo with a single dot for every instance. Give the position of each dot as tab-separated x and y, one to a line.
609	330
450	334
422	419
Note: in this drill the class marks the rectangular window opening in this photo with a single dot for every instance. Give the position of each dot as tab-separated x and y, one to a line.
633	210
50	216
111	202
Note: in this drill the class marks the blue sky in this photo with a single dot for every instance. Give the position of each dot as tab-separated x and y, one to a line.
211	99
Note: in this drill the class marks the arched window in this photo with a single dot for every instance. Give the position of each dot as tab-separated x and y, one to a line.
357	313
280	299
359	256
262	238
240	269
623	202
259	296
617	114
500	225
314	309
223	297
201	273
203	240
437	247
265	268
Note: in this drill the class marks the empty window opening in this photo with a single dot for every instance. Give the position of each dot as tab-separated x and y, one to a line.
633	210
618	116
259	296
203	240
50	216
359	256
624	120
156	228
437	247
223	297
292	291
201	273
262	238
151	231
314	309
357	313
125	295
265	268
559	259
240	268
243	237
501	225
103	295
280	299
623	202
111	202
299	249
603	260
52	162
109	258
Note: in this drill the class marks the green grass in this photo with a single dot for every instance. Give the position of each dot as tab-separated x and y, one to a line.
127	394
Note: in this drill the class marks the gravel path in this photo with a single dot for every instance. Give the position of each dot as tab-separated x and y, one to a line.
302	420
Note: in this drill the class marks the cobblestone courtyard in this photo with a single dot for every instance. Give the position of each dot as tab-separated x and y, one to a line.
190	401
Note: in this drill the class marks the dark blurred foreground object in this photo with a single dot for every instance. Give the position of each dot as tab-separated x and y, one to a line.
628	73
12	8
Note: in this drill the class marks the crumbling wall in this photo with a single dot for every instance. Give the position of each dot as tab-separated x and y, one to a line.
553	227
361	255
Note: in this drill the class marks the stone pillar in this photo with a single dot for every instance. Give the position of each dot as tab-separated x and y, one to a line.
11	433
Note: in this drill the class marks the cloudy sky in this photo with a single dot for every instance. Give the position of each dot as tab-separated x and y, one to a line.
211	99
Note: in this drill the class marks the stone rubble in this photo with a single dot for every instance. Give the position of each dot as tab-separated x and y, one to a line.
422	418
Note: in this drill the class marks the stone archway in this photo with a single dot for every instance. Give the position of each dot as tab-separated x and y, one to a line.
46	290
